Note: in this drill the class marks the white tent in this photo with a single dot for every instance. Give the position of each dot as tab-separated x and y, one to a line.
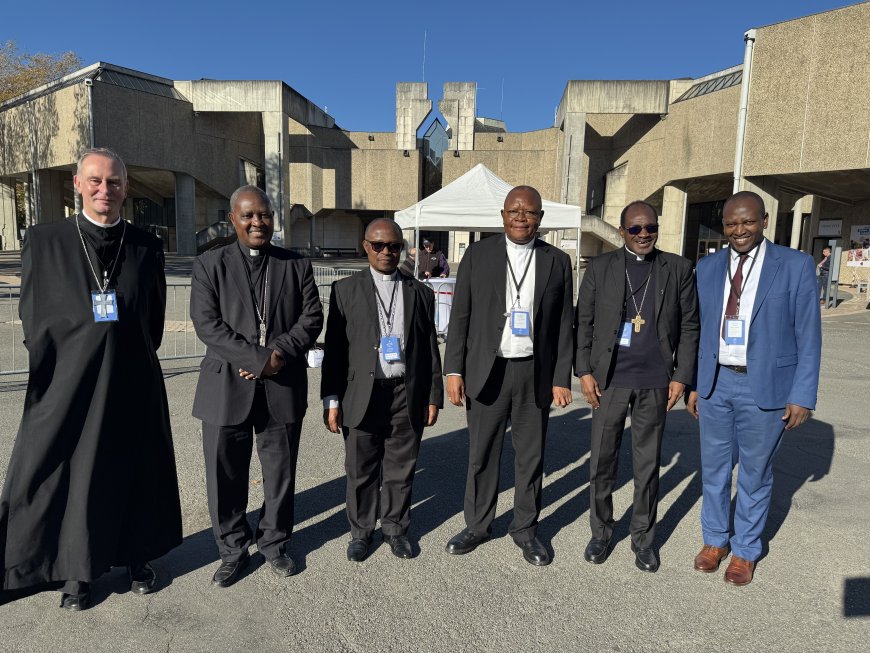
473	203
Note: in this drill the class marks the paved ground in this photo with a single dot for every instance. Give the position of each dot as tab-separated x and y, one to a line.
811	591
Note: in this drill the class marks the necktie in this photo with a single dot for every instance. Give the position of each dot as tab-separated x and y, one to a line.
732	307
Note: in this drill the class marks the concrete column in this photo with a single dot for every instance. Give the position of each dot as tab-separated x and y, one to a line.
8	223
412	108
459	108
185	214
28	205
767	188
673	219
277	161
796	222
574	127
247	173
51	208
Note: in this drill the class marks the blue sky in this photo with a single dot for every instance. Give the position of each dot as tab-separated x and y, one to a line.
347	56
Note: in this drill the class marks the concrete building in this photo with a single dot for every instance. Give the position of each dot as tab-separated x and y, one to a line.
791	121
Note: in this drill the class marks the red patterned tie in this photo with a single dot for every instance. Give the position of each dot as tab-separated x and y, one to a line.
732	307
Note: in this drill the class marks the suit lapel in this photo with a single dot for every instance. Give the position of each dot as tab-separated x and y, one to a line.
409	297
499	273
616	274
277	273
367	293
662	274
769	268
239	274
543	267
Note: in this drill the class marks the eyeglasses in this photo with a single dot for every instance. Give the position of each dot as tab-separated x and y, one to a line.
636	229
378	246
528	215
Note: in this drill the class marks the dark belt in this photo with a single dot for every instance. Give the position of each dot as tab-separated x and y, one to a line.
520	359
392	382
740	369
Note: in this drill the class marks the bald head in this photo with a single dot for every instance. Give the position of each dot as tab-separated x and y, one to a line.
383	223
523	189
746	196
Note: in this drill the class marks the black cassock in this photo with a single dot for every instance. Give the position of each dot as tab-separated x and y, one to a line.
91	480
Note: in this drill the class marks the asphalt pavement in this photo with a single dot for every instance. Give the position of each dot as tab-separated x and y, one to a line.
811	590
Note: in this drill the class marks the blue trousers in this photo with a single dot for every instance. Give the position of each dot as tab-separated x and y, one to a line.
735	429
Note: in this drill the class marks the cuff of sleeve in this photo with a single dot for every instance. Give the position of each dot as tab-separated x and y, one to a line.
453	374
330	402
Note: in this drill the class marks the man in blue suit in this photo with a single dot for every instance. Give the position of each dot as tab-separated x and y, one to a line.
758	375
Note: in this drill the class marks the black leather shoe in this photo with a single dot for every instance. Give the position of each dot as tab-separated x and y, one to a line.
143	578
283	565
75	602
534	552
465	542
358	549
229	572
645	559
399	545
597	550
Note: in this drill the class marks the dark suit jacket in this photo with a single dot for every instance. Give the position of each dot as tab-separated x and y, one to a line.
352	339
223	315
477	317
600	309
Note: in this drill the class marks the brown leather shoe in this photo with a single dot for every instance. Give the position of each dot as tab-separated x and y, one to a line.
739	571
709	558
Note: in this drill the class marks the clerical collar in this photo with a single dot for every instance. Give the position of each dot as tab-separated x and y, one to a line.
635	257
512	245
100	224
380	276
253	253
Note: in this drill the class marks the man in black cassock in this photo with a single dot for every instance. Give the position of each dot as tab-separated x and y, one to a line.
91	482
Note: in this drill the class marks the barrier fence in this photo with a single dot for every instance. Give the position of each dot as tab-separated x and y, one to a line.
179	336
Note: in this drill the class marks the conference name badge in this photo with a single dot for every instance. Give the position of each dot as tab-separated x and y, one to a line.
625	335
390	349
735	330
105	306
520	322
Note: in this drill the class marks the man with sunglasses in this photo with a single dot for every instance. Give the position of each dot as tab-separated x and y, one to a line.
636	341
381	385
257	309
508	359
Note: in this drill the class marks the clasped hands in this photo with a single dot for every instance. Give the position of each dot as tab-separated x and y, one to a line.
274	365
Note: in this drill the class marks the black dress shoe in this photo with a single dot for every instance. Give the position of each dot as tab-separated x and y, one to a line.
597	550
534	552
645	559
75	602
283	565
399	545
229	572
358	549
143	578
465	542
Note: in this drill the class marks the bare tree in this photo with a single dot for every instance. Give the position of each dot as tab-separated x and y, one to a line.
21	72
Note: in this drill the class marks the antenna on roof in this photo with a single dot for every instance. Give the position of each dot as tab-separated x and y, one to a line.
424	55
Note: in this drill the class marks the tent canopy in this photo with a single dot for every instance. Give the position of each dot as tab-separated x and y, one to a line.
473	203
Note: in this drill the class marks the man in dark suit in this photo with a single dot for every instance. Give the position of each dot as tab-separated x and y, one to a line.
637	338
509	357
257	309
758	376
381	384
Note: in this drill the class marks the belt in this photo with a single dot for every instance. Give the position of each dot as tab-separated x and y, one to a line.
739	369
391	382
519	359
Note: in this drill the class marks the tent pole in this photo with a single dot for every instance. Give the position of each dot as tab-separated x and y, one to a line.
577	254
416	244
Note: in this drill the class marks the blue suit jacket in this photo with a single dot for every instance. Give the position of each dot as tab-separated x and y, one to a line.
785	332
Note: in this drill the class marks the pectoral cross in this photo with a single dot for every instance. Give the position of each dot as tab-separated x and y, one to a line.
102	304
637	321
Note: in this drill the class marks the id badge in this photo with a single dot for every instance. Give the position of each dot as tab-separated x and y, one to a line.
519	322
390	349
105	306
735	331
625	335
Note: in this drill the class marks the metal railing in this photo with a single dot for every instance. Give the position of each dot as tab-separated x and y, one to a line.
179	336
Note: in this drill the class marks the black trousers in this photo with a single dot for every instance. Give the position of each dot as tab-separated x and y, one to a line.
380	459
648	410
507	396
227	452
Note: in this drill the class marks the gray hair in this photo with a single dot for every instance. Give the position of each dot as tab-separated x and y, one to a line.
101	151
256	190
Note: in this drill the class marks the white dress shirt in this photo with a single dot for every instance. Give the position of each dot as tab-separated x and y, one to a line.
519	256
736	354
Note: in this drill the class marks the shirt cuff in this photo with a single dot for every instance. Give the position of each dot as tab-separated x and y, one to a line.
453	374
330	402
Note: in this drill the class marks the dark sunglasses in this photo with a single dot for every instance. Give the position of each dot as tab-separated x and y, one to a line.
636	229
378	246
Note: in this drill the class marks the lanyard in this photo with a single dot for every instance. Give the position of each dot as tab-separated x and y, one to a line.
261	314
107	272
522	278
745	277
386	315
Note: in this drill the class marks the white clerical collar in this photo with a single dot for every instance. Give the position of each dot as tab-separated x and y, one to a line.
100	224
634	254
512	245
380	276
